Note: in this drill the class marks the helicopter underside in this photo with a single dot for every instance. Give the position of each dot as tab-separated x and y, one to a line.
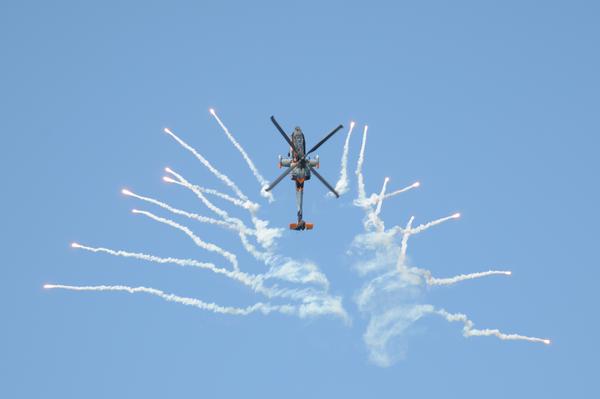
300	166
299	175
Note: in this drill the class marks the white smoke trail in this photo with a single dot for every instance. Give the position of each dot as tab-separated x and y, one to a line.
372	219
245	278
425	226
193	187
462	277
261	180
383	336
295	271
264	235
381	196
392	323
470	331
402	190
404	242
377	199
241	227
362	197
177	211
199	193
264	308
208	165
248	205
426	274
342	184
388	298
264	256
281	268
255	282
202	244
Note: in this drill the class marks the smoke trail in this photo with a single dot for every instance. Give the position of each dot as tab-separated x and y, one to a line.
383	336
183	182
294	271
261	180
248	205
404	243
255	282
176	211
362	197
202	244
195	188
232	223
264	308
375	199
232	220
390	324
208	165
381	196
311	306
264	235
425	226
281	268
342	184
461	277
247	279
470	331
402	190
384	297
372	220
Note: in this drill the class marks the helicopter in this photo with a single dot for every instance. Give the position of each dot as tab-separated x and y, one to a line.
301	166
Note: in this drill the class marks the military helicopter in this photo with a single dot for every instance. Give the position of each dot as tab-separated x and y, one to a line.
300	166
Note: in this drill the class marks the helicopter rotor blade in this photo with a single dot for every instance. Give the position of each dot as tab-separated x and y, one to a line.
320	143
285	136
324	182
281	176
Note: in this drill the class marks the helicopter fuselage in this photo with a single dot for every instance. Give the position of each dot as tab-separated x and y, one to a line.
300	166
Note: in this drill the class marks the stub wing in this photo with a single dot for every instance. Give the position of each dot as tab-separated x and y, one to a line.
301	226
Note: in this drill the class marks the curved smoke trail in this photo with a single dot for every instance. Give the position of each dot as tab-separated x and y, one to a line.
342	184
208	165
261	180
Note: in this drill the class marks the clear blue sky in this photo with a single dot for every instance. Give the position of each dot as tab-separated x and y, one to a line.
493	106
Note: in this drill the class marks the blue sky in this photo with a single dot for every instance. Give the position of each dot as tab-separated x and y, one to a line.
492	106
